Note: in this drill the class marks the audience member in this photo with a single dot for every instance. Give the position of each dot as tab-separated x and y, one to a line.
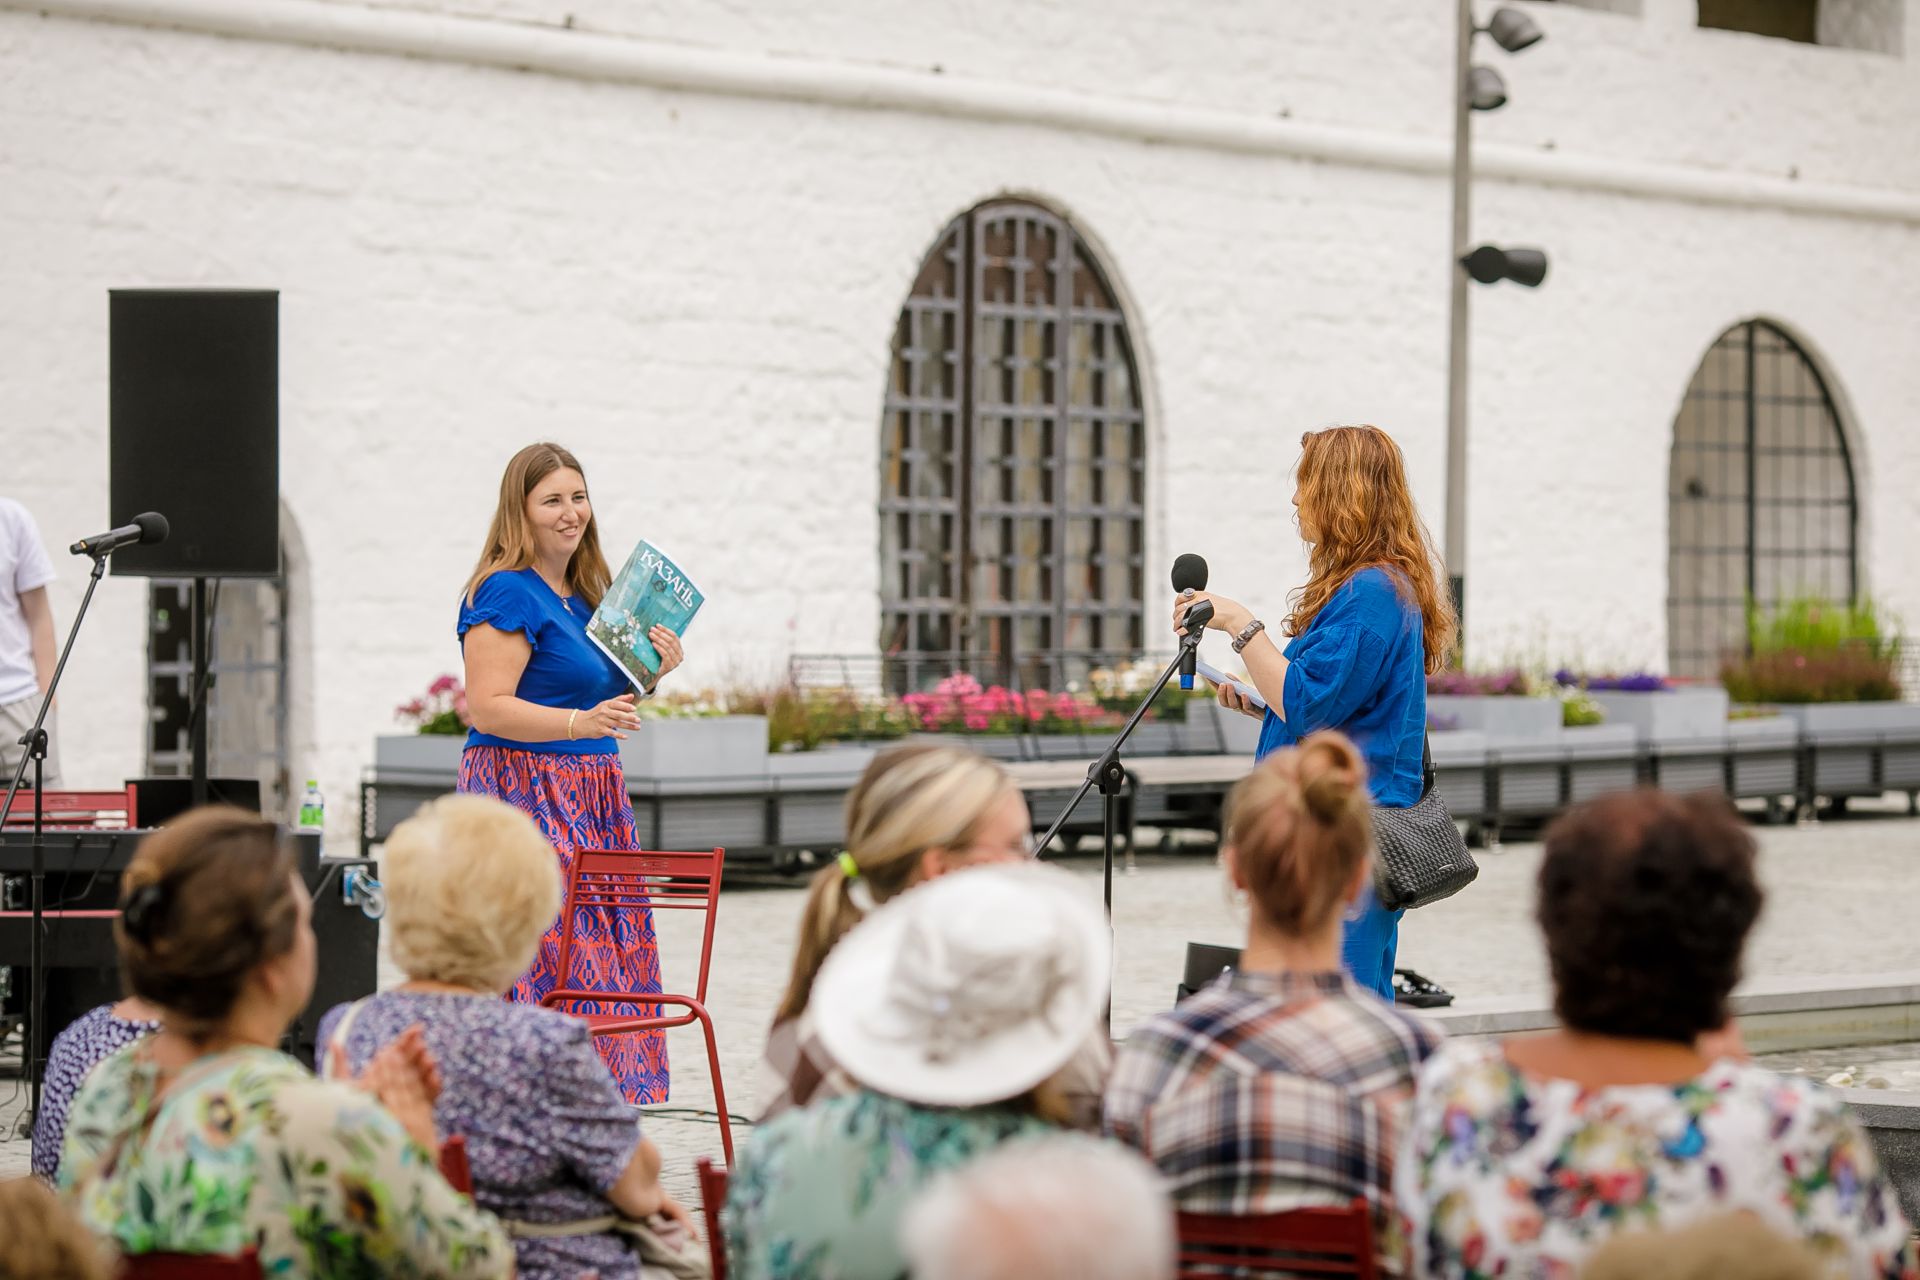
1736	1246
954	1007
75	1052
471	885
40	1239
1524	1157
1282	1084
917	813
204	1138
1066	1208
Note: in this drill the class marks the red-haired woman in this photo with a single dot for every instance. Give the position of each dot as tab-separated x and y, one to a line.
548	710
1373	619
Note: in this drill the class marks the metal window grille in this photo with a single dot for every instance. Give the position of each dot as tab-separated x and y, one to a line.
247	684
1012	509
1761	501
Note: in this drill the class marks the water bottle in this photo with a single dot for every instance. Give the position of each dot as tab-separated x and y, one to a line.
313	810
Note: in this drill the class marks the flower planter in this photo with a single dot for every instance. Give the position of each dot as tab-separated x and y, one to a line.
1850	745
700	747
1697	714
1498	717
1818	719
418	753
994	746
1600	758
1459	770
832	761
1238	735
1765	757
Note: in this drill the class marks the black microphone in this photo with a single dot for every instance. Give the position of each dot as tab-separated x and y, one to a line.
1190	573
148	526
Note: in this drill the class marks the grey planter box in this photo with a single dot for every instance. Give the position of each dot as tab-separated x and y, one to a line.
703	747
994	746
1238	735
1698	765
1460	770
1766	757
1532	718
1668	715
1820	719
1858	748
1600	758
836	762
1527	773
418	753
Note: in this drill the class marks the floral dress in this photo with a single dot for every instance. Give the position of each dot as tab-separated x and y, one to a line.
249	1149
820	1191
1505	1174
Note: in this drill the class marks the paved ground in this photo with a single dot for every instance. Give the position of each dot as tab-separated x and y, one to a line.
1839	904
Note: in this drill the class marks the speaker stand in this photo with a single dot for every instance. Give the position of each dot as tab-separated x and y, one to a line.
200	642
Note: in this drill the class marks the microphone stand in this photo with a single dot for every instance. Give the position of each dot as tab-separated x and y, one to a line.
34	741
1109	775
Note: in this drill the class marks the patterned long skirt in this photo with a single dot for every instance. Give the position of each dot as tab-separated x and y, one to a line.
581	802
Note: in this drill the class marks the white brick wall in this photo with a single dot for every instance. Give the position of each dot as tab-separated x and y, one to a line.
695	291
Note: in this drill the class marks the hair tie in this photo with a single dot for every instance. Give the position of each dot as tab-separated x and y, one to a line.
859	892
142	912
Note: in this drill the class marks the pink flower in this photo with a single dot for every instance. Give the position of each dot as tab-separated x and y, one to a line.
445	684
976	721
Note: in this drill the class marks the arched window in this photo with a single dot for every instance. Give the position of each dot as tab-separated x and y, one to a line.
246	683
1012	493
1760	499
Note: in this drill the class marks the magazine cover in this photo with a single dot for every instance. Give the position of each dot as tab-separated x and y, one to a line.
648	591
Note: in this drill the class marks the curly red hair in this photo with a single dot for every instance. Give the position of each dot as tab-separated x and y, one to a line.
1355	500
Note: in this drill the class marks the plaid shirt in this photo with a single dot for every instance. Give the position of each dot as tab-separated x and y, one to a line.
1267	1092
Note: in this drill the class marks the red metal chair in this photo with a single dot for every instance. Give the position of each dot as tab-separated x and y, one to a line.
76	810
1301	1242
192	1266
713	1194
664	882
453	1164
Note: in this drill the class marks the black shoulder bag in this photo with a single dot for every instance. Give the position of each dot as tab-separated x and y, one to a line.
1421	855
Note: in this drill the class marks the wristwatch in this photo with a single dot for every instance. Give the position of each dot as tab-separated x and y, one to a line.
1247	633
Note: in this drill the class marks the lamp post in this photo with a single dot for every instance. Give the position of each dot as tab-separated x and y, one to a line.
1474	89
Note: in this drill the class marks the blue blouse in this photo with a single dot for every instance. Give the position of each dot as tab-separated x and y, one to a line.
566	669
1360	667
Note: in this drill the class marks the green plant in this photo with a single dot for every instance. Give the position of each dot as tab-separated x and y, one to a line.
1577	707
1812	650
441	711
1809	624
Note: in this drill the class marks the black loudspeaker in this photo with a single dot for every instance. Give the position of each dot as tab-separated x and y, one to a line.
349	944
195	412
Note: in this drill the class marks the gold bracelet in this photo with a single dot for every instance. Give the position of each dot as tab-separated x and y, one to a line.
570	715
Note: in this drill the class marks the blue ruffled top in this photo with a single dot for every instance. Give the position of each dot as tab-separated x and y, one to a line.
566	669
1360	667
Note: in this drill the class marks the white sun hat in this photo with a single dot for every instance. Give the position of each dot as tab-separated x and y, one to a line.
970	989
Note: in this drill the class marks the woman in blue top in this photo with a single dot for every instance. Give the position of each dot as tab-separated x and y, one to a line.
548	710
1373	619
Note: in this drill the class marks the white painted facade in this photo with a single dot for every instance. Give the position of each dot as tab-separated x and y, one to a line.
676	237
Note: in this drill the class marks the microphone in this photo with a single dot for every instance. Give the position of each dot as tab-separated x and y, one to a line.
1190	572
148	526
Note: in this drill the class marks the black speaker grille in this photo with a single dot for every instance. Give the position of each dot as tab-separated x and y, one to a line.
195	435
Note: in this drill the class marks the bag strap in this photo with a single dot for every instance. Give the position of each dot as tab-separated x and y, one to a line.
1427	774
337	1043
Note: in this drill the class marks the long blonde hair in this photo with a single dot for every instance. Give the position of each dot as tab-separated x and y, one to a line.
909	800
510	536
1355	497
